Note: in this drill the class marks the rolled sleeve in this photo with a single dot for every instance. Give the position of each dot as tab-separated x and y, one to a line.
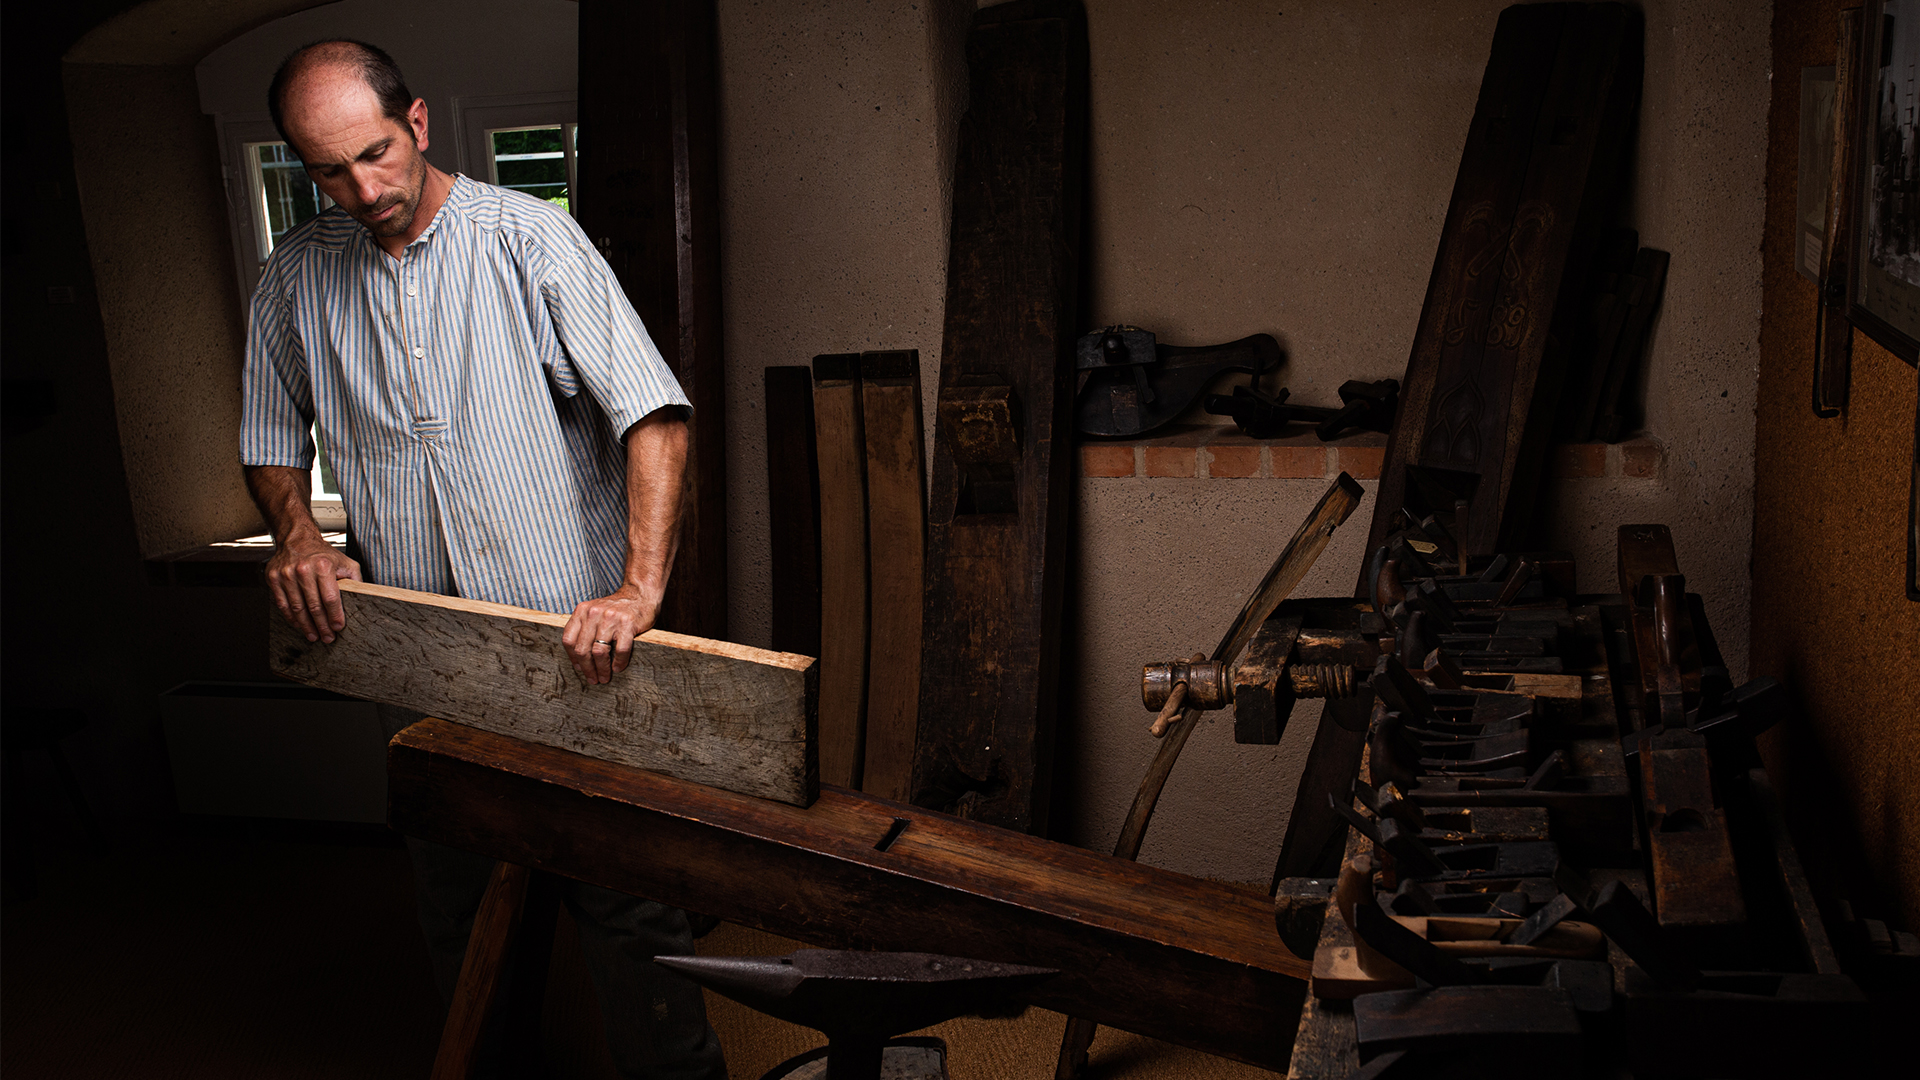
606	346
276	415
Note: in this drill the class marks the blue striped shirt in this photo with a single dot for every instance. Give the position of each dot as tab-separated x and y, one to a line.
448	387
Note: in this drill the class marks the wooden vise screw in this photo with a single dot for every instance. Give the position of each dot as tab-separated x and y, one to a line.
1210	682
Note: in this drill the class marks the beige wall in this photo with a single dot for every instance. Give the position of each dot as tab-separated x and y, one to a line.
149	179
1254	169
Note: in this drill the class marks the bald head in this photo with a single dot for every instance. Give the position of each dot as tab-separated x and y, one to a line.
326	67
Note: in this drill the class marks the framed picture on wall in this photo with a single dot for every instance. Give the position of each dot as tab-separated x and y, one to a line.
1816	170
1883	292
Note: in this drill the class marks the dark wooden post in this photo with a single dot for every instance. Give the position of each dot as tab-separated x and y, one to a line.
649	199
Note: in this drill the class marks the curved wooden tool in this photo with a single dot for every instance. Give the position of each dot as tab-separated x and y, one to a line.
1334	507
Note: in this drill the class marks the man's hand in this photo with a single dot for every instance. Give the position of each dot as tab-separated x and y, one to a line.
302	575
599	636
304	568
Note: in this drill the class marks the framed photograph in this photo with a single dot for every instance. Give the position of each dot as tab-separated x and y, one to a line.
1883	292
1816	169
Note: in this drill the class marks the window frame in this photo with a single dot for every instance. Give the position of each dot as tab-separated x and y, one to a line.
475	115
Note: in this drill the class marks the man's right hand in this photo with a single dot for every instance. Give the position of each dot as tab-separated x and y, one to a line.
302	576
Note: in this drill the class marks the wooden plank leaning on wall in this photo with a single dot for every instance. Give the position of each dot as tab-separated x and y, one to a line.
1538	177
839	435
998	502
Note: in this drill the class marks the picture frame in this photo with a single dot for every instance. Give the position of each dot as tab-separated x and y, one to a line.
1816	170
1883	291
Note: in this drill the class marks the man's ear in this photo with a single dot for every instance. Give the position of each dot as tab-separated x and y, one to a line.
417	120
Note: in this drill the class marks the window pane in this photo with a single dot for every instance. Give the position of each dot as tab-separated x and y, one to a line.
533	160
288	194
324	485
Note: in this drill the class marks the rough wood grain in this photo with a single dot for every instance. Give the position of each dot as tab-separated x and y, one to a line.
712	712
896	580
997	537
1543	159
1174	957
841	443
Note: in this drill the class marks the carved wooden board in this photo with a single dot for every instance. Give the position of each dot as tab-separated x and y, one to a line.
997	502
1544	157
712	712
1538	178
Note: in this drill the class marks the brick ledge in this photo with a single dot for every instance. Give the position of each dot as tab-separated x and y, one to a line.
1226	454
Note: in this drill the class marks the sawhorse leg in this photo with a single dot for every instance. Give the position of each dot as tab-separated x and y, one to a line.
504	973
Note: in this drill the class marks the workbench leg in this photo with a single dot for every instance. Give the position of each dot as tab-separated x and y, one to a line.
515	897
1331	766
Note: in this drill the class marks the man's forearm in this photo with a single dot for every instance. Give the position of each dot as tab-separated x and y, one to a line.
284	496
656	473
302	573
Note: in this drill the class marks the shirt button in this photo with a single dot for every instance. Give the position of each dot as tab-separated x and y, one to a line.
418	352
409	290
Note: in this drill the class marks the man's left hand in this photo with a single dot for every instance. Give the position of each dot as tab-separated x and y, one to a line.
599	636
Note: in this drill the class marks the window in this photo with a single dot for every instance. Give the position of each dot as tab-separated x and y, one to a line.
280	193
536	160
528	142
275	195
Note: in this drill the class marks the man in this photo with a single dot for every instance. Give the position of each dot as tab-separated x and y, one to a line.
501	427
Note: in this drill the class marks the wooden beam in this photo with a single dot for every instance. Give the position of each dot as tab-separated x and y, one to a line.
843	566
897	538
1173	957
997	506
793	510
707	711
650	200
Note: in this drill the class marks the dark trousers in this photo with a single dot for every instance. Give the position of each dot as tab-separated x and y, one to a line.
656	1021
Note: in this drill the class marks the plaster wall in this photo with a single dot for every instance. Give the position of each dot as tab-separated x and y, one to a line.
164	276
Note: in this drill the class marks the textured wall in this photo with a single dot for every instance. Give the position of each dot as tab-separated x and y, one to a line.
149	181
1830	617
838	124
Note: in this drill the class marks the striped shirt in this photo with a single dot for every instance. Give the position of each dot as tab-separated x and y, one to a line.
447	386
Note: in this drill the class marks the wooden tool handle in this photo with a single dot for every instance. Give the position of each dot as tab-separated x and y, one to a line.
1176	701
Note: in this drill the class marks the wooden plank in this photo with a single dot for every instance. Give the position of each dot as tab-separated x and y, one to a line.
841	443
793	510
649	94
896	545
483	972
1174	957
503	978
712	712
1541	165
997	536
